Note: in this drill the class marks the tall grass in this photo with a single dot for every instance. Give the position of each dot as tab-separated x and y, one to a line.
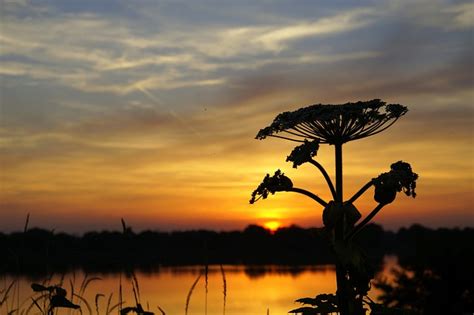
190	293
79	293
161	310
224	287
6	294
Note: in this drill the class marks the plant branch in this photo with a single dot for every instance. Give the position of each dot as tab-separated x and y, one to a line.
309	194
290	139
364	222
360	192
326	176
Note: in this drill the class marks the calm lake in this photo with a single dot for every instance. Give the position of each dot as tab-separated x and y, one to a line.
249	290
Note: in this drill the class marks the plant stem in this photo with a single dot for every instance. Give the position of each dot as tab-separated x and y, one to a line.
360	192
310	195
365	221
343	298
326	177
339	193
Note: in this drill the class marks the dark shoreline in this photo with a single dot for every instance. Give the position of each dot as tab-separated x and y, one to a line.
40	252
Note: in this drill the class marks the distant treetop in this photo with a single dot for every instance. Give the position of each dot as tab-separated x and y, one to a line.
334	123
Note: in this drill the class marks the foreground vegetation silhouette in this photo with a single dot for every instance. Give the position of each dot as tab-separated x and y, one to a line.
435	274
336	125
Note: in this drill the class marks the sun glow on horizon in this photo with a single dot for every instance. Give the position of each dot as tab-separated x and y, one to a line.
272	225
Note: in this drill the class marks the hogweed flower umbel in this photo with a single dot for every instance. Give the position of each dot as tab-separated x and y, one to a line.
303	153
270	185
334	124
400	178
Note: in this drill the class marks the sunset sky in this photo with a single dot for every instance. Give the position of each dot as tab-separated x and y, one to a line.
148	110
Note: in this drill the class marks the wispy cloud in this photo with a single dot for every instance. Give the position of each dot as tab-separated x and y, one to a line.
101	54
339	23
462	15
438	14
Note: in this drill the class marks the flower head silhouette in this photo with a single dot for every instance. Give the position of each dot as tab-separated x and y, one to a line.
334	124
399	178
303	153
270	185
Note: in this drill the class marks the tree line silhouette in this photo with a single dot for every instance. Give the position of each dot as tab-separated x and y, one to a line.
39	251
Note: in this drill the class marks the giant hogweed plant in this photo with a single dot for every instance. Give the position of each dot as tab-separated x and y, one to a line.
335	125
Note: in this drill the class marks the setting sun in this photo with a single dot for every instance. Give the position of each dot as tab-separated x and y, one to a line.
272	225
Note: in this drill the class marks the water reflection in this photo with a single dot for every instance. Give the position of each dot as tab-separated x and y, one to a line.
250	289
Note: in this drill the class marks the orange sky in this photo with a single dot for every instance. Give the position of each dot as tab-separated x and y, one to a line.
110	114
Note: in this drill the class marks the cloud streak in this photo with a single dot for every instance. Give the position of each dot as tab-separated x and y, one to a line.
87	51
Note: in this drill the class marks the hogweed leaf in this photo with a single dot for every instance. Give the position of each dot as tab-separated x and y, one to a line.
61	301
38	287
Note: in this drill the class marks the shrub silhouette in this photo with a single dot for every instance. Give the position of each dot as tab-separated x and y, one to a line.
436	274
335	125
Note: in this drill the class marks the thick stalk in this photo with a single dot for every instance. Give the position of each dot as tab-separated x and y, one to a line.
339	195
342	293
